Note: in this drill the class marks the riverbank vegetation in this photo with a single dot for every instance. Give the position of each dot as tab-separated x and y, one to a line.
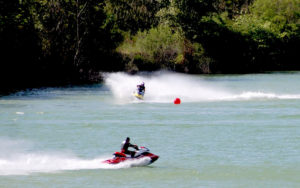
50	43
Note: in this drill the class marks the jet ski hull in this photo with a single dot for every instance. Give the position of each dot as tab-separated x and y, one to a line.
143	152
118	160
139	94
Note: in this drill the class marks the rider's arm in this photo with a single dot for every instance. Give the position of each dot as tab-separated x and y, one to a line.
133	146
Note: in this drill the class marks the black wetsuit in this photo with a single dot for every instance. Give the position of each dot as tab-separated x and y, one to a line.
126	151
141	88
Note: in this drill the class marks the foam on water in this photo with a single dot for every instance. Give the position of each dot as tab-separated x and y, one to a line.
164	87
15	160
263	95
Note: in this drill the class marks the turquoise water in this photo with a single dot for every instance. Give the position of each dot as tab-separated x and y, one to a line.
229	131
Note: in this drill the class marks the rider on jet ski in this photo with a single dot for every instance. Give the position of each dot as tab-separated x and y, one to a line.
125	145
141	87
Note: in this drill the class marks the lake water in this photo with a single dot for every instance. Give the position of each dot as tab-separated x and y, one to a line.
229	131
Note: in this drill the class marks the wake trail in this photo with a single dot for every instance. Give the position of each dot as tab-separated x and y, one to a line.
164	87
262	95
14	160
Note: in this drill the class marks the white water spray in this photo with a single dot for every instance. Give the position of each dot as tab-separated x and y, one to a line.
164	87
15	160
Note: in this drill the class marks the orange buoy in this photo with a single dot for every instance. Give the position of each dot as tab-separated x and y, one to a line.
177	101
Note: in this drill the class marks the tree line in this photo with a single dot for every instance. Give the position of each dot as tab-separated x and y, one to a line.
55	42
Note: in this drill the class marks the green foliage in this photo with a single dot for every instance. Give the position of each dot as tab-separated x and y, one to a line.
75	39
191	14
132	15
233	8
272	27
238	36
167	15
160	46
279	17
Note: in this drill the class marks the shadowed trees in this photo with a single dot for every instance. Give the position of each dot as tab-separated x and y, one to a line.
59	42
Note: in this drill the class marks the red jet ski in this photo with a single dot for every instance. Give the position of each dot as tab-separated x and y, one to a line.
142	152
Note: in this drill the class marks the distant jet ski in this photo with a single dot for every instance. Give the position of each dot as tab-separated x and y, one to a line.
139	94
142	152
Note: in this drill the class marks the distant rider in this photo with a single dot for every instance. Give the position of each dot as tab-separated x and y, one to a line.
141	87
125	145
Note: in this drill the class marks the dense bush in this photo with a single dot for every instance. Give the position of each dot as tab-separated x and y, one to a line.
159	47
273	26
132	15
264	37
